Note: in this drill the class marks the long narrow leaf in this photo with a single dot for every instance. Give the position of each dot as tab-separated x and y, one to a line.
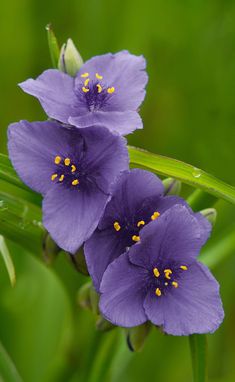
7	260
182	171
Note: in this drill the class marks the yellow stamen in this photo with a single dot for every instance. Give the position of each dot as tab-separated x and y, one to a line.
86	82
158	292
111	90
84	75
61	178
155	215
73	168
75	182
67	161
85	90
175	284
168	272
135	238
57	159
156	272
53	176
98	76
117	226
184	267
141	222
99	87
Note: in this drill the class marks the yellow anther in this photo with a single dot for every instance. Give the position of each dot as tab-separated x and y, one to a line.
57	159
53	176
140	223
85	90
84	75
61	178
98	76
135	238
184	267
75	182
168	272
117	226
86	82
156	272
158	292
73	168
99	87
111	90
67	161
175	284
155	215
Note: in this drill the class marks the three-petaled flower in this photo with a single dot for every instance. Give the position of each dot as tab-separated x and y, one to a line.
137	199
106	91
73	169
159	279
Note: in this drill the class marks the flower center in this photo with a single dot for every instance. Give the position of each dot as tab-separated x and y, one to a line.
94	92
66	172
165	278
131	229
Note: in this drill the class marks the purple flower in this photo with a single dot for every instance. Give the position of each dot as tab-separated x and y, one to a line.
106	91
160	280
73	169
137	199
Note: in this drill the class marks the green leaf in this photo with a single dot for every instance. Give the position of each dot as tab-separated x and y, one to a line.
8	372
182	171
198	347
7	260
53	46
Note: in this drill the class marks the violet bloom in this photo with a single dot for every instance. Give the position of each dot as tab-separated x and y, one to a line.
137	199
73	169
160	280
107	91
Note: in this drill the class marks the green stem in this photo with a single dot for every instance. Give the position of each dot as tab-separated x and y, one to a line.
198	347
200	200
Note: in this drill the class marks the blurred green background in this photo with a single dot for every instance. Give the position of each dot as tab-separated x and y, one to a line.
188	114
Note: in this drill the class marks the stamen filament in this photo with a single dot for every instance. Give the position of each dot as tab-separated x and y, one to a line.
117	226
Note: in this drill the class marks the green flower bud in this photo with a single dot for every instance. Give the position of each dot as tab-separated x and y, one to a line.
172	186
136	336
79	262
210	214
94	298
70	60
103	325
83	296
50	249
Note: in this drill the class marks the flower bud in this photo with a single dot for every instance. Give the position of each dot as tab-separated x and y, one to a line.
70	60
210	214
136	336
50	249
172	186
103	325
79	262
83	296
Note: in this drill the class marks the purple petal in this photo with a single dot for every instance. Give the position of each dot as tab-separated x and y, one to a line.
100	250
194	307
129	193
71	216
54	90
32	148
122	295
122	122
125	72
176	234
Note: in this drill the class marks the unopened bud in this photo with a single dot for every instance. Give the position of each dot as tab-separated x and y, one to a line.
210	214
70	60
50	249
83	296
103	325
136	336
171	186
